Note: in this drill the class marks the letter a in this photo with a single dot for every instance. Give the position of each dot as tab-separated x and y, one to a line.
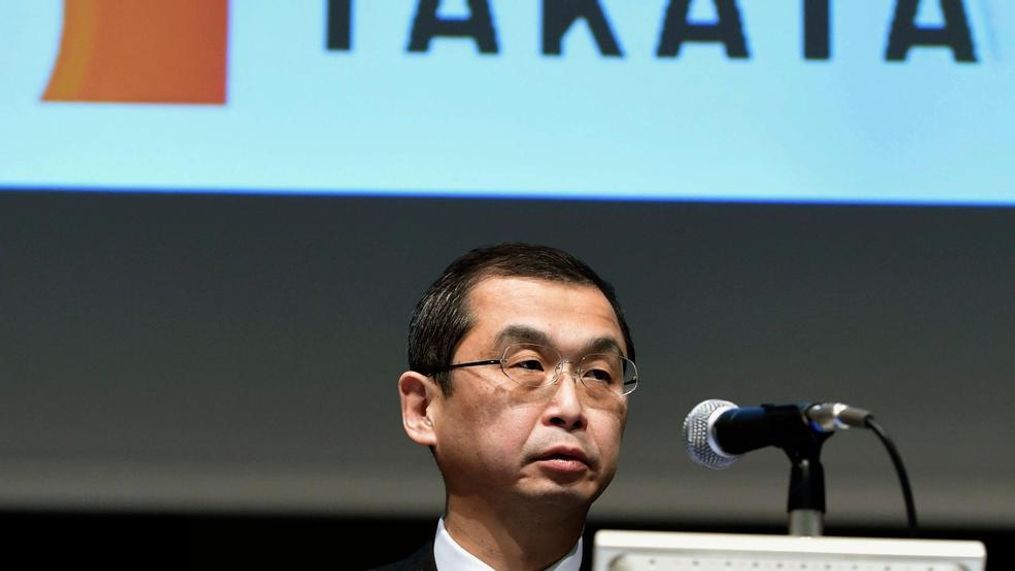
727	29
954	34
478	26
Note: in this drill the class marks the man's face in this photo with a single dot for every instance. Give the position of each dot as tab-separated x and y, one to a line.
497	442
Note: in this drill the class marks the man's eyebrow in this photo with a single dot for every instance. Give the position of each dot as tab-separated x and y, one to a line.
522	334
603	345
526	334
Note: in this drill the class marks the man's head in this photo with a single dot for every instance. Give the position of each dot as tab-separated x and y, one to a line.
442	316
503	446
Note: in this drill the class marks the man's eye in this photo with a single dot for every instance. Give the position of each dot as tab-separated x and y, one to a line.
530	365
601	375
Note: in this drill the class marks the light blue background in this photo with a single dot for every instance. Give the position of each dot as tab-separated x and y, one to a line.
378	119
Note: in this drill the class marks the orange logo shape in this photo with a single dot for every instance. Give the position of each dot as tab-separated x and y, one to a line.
142	51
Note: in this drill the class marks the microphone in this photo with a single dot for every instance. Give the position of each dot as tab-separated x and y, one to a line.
717	432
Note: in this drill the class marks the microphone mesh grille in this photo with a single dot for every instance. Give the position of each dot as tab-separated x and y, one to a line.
696	435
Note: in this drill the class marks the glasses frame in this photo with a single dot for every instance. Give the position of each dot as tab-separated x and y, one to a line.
558	367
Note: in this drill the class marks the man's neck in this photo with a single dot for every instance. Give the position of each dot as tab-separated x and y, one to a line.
513	539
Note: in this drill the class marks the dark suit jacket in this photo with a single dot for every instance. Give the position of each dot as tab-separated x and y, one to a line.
421	560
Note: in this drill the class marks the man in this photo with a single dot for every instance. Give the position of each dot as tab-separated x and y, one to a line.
520	366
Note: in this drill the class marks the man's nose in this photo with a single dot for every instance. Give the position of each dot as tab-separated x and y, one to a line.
566	408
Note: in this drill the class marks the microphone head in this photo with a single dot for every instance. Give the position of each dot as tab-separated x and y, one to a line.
698	439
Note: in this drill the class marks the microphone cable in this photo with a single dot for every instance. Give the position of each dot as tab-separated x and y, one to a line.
900	469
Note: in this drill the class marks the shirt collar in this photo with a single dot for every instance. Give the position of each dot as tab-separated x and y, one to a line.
449	556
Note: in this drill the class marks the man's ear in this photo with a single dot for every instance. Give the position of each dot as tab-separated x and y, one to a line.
417	393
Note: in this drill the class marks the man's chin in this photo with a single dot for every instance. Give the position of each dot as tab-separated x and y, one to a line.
563	495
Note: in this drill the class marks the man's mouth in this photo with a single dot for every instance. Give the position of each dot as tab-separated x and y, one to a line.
564	459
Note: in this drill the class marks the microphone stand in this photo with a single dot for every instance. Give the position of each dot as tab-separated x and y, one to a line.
806	503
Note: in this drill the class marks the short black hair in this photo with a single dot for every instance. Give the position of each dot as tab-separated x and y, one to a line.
441	319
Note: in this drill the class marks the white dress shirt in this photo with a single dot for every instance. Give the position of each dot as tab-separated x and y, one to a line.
449	556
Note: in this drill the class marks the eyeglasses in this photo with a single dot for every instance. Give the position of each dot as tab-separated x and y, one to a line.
534	366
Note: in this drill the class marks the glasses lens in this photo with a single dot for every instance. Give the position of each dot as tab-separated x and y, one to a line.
601	373
608	372
530	365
